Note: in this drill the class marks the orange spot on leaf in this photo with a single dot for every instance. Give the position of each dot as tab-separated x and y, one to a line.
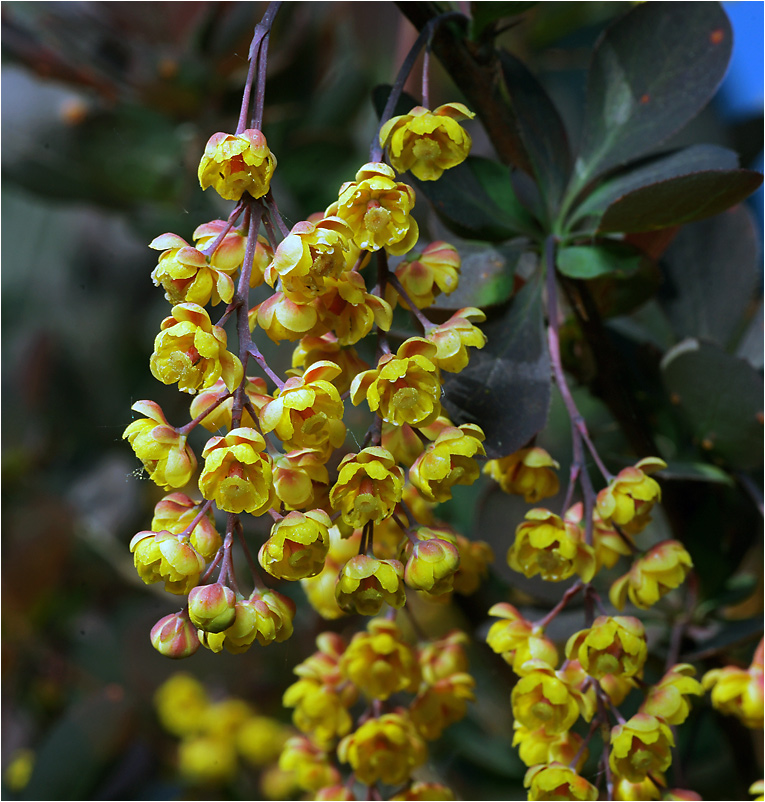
716	36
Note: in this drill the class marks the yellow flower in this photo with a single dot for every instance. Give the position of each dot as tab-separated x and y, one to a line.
379	662
423	791
191	351
651	788
641	746
260	740
310	253
369	485
549	699
160	447
237	163
320	711
378	210
404	388
738	692
168	558
444	657
237	474
320	589
610	646
385	749
758	788
212	607
366	583
453	338
547	546
558	781
427	142
431	562
609	544
448	461
661	569
629	498
297	546
326	348
175	512
180	702
307	412
426	275
518	640
19	770
207	759
186	275
668	698
349	310
527	473
300	478
310	764
538	746
266	617
220	417
229	254
441	704
281	318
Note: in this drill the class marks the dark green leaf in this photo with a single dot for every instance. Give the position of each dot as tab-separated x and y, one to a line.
589	261
721	398
696	472
540	128
651	72
506	386
476	200
728	635
737	589
711	274
485	13
694	159
679	200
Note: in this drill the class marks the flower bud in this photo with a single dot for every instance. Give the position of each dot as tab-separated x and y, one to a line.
212	607
432	565
366	583
175	636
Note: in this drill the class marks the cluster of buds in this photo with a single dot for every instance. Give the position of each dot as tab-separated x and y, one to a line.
220	738
388	741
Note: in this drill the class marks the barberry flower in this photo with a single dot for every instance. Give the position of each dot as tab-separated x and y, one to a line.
300	478
610	646
641	746
266	617
758	788
220	417
444	657
528	473
366	583
212	607
175	513
651	788
297	546
191	351
421	791
443	703
237	472
385	749
453	338
320	589
378	210
546	545
549	699
738	692
629	498
426	275
518	640
310	764
347	309
431	562
369	485
668	698
260	739
307	411
538	746
281	318
237	163
661	569
161	448
558	781
229	254
206	759
449	460
427	142
180	702
175	636
327	349
168	558
186	275
609	544
404	388
379	662
320	711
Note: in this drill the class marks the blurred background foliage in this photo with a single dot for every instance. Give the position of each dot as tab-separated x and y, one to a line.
106	109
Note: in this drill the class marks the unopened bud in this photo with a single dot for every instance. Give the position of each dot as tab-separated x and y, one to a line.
212	607
175	636
432	565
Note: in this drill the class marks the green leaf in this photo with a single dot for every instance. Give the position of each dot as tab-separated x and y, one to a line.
484	13
506	386
679	200
540	128
711	275
590	261
694	159
696	472
721	398
652	71
476	200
